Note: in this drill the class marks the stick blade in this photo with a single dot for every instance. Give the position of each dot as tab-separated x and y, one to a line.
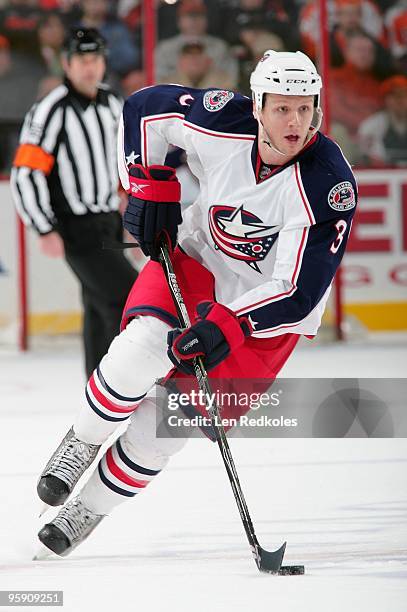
270	562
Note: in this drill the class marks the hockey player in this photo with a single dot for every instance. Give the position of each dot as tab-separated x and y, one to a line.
256	256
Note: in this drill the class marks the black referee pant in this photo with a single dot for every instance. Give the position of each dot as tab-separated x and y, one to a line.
105	275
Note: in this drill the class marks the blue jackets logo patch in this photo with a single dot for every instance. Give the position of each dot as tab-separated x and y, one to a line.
342	196
216	99
241	234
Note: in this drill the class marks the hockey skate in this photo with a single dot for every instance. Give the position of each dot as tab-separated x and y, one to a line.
64	469
72	525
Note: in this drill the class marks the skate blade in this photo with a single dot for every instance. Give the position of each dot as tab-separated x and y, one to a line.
43	553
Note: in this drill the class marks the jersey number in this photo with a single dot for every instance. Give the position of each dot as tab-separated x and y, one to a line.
341	227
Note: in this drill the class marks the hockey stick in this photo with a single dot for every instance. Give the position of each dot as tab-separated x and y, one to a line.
266	561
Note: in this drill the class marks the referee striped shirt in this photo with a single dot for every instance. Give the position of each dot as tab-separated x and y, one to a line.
66	160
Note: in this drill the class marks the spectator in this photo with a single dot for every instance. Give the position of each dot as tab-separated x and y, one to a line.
18	22
192	23
70	9
346	18
123	54
383	136
354	89
216	11
396	23
309	27
257	13
264	41
51	34
195	69
360	16
254	40
353	15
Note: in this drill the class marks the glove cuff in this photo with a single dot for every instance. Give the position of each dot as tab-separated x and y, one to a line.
145	187
230	325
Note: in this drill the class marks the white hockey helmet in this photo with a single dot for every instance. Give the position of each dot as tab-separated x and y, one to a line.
285	73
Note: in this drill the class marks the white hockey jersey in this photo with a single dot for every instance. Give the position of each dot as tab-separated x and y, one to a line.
272	244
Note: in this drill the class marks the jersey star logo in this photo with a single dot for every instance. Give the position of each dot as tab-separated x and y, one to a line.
236	226
241	235
130	159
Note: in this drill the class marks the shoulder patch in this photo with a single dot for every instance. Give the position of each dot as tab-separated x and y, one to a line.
215	99
342	196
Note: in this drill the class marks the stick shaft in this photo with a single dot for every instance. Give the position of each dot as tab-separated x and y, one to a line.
217	426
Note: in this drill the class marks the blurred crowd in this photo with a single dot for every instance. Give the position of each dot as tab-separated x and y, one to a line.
216	43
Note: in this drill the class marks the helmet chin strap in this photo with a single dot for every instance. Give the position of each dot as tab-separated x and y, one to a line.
269	143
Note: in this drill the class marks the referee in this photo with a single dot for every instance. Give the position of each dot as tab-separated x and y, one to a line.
65	185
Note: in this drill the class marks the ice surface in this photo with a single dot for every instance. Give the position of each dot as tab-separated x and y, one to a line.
179	546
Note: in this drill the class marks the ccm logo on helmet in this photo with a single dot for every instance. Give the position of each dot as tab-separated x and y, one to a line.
295	81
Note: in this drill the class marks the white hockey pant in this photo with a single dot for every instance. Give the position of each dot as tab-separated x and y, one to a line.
116	393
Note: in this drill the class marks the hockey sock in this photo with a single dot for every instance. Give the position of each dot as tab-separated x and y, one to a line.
116	479
131	463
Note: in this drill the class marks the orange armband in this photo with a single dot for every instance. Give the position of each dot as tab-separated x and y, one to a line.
32	156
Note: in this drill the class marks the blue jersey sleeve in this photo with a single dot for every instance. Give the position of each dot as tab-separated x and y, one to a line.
321	249
155	117
151	121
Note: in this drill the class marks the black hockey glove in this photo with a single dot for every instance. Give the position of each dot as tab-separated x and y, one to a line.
215	334
153	211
